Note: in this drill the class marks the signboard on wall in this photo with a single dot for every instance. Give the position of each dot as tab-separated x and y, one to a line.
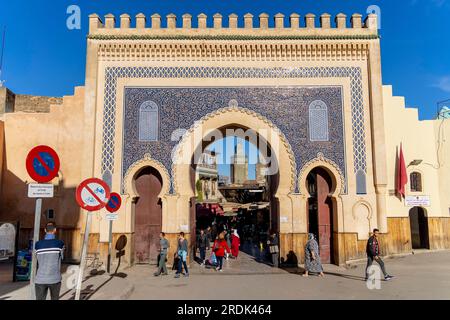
417	201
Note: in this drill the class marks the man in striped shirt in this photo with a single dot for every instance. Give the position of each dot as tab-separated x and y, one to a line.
49	256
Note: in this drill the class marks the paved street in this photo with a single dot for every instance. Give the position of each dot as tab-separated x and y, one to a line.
420	276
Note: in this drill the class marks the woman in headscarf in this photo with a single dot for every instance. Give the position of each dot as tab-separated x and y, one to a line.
235	243
312	257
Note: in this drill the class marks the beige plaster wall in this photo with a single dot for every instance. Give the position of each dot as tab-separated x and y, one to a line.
420	141
61	129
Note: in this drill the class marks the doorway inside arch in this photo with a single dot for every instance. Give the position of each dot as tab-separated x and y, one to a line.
235	190
321	213
419	228
148	215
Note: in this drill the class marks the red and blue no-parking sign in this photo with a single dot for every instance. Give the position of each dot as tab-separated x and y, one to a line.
114	202
92	194
42	164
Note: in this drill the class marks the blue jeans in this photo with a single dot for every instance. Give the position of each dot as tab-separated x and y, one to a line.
220	262
202	254
181	263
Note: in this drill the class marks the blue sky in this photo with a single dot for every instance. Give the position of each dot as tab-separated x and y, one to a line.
44	57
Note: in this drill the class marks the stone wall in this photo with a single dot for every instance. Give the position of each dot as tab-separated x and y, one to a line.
7	98
11	102
28	103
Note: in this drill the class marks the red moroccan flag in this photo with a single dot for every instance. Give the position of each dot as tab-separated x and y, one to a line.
402	176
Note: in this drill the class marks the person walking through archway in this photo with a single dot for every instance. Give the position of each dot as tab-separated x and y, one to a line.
202	244
235	244
274	248
220	247
312	257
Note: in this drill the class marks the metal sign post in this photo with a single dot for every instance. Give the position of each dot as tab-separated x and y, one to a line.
91	195
83	256
108	267
112	206
37	227
42	164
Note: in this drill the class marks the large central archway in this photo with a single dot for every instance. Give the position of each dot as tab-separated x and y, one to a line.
212	126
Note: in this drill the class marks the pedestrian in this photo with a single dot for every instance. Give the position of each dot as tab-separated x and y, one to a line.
220	247
164	245
49	254
228	240
182	252
209	234
274	249
202	244
235	244
214	230
312	257
373	253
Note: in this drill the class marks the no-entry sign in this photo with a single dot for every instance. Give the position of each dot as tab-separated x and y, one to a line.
42	164
92	194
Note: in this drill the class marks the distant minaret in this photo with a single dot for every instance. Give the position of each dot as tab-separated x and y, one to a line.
239	165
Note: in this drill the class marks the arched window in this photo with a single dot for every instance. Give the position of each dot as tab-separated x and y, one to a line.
416	182
148	121
318	121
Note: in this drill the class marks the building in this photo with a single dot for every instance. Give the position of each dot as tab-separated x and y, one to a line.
314	94
206	177
239	165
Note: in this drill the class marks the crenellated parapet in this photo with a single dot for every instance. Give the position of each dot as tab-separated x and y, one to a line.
294	26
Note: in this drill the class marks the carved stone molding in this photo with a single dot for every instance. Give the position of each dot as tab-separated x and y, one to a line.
226	51
146	161
322	161
233	107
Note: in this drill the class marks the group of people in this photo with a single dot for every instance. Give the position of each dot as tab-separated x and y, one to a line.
226	245
50	254
220	249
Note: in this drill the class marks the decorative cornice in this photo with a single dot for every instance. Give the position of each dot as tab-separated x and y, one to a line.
217	51
238	37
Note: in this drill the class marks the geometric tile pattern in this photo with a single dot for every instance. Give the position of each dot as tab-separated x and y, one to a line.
114	73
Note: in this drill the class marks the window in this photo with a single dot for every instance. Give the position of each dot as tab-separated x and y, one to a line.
318	121
416	182
361	185
148	121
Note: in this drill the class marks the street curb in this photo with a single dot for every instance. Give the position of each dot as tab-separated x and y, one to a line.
349	264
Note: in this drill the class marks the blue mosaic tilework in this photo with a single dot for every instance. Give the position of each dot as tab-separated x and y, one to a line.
354	73
286	107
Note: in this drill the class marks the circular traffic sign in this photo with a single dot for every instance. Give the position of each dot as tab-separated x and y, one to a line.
92	194
42	164
114	202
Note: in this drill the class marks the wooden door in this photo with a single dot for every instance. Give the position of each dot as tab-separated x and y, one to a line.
148	216
325	217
